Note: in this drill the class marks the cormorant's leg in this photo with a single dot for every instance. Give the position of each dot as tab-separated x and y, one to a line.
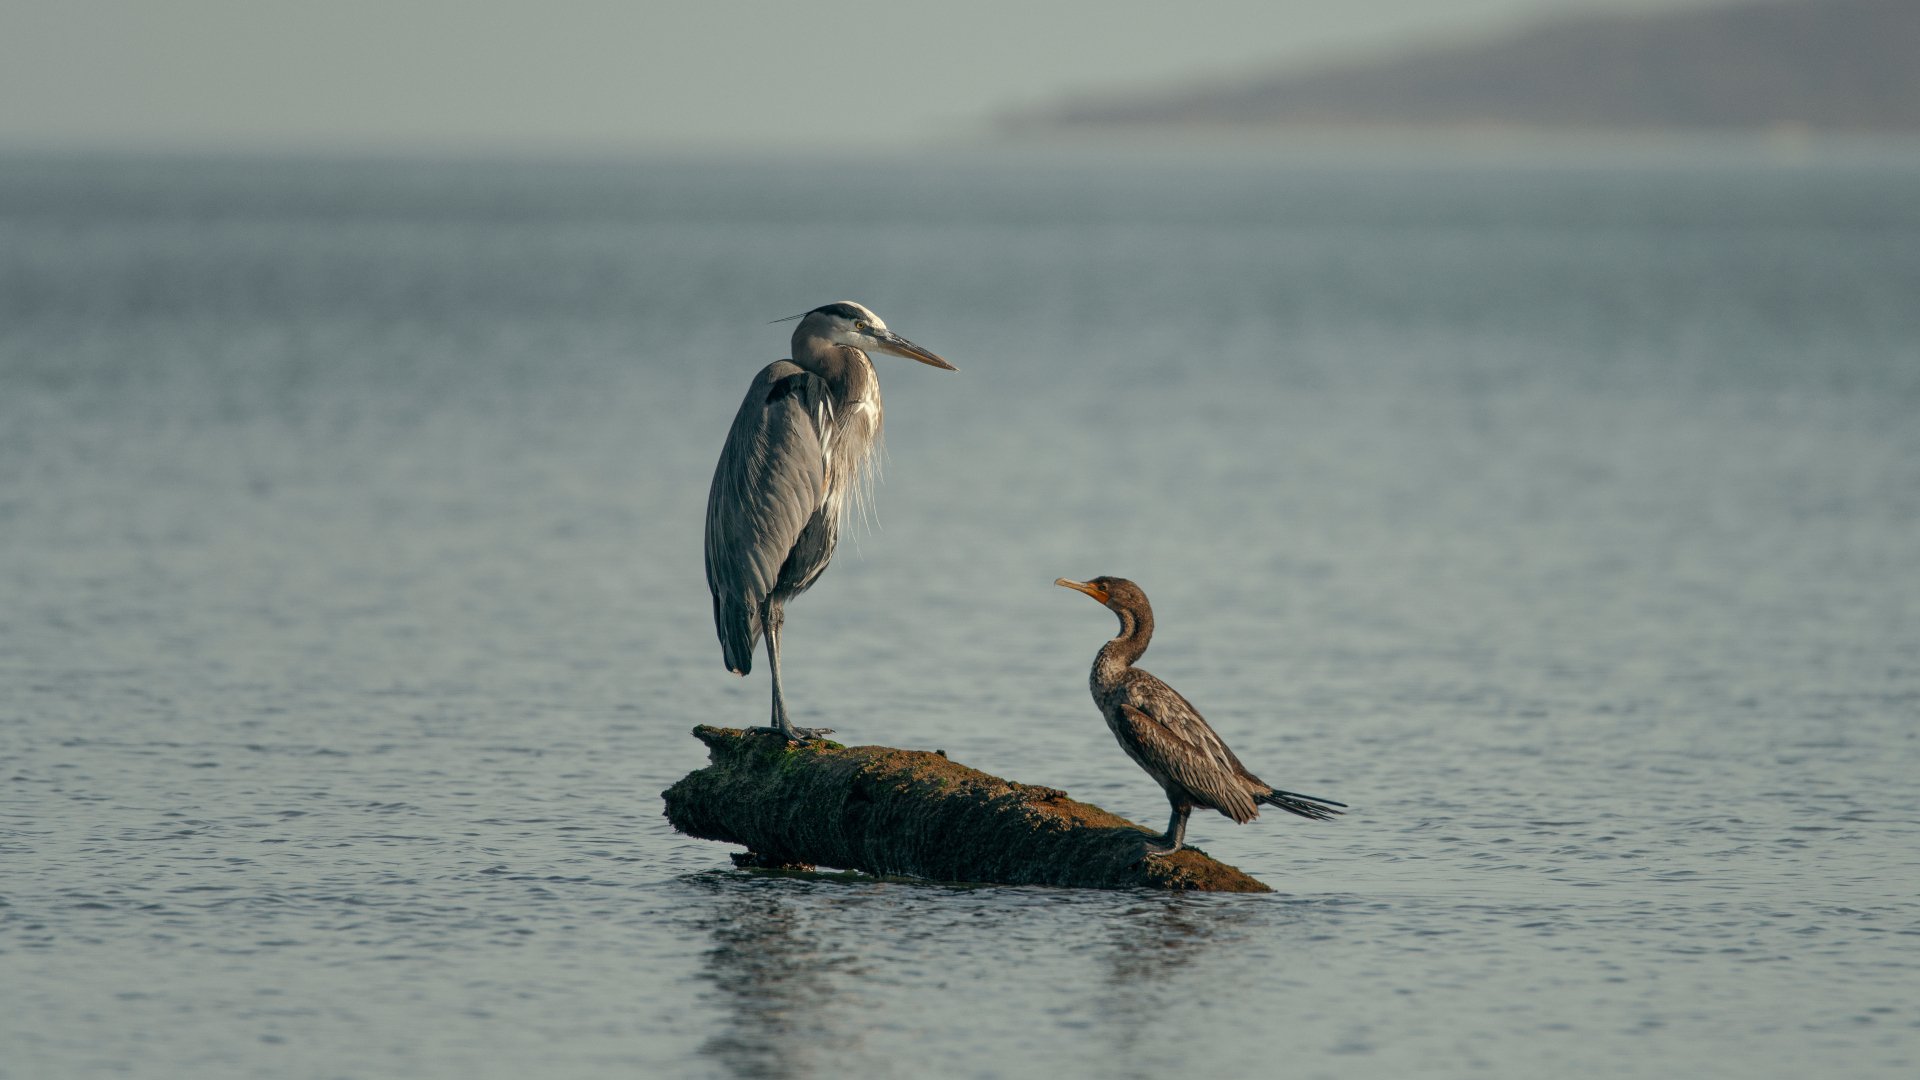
1176	832
771	617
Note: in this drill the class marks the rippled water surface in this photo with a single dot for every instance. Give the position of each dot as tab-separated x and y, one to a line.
1563	519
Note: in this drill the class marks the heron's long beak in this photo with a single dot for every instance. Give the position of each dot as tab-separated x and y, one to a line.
888	341
1094	591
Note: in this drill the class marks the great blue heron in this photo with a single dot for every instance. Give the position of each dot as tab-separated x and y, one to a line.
1164	734
801	443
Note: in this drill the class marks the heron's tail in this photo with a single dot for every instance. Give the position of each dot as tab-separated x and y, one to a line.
739	627
1307	806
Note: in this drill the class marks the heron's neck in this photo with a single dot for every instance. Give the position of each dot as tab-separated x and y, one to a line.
846	369
1136	630
856	417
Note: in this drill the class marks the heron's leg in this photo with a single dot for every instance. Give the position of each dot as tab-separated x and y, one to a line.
1176	832
772	617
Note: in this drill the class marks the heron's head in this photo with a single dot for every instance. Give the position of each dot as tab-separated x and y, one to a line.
848	323
1115	592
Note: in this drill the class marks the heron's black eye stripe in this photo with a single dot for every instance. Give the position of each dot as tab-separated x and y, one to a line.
845	311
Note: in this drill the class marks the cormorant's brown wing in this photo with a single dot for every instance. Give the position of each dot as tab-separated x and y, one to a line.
1172	733
771	480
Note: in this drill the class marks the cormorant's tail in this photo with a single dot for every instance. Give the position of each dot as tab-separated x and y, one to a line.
1307	806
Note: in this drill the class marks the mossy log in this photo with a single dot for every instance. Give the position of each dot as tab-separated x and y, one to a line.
914	813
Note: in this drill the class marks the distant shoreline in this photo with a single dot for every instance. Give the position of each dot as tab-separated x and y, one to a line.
1836	67
1488	140
1149	144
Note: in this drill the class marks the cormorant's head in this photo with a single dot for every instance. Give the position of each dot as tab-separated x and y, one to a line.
848	323
1115	592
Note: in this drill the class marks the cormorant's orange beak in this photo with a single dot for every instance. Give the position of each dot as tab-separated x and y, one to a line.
1094	591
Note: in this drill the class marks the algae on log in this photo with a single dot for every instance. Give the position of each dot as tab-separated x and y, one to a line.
914	813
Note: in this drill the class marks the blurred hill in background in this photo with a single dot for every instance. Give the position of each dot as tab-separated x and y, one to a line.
1812	65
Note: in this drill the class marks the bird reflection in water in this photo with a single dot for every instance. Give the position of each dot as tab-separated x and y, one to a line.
1156	946
1161	935
775	978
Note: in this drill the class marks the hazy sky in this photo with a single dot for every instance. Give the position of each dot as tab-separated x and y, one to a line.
612	75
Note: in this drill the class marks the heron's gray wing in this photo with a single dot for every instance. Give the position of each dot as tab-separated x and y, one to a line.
770	482
1170	731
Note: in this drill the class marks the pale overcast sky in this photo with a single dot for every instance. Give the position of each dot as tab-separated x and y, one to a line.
621	75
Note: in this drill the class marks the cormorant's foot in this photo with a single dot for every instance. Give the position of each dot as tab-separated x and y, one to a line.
1158	847
797	734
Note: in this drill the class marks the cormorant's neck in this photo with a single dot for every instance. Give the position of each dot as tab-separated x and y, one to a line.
1136	630
845	368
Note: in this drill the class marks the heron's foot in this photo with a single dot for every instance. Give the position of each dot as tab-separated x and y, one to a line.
797	734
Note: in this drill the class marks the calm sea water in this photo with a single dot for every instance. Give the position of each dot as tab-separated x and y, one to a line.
1562	518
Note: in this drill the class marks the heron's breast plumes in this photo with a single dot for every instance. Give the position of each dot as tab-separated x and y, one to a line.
853	461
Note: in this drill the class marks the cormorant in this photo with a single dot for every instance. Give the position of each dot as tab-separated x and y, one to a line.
1165	735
